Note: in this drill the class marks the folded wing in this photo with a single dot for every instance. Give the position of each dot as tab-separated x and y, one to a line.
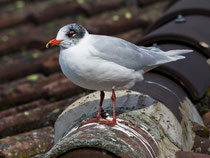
131	56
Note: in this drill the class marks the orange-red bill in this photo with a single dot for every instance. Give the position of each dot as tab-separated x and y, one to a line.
53	42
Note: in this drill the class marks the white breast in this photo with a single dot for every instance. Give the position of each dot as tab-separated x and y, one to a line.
90	72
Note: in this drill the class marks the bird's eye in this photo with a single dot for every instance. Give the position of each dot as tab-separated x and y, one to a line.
71	34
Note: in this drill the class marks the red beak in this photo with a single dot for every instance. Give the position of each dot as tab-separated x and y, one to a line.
53	43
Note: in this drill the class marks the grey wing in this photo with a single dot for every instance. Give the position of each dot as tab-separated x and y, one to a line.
127	54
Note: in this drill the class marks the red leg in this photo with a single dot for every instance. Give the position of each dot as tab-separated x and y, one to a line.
98	117
100	105
113	122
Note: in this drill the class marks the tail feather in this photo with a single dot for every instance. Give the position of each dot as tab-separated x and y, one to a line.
168	56
178	52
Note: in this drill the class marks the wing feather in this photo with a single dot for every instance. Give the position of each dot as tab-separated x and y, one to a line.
127	54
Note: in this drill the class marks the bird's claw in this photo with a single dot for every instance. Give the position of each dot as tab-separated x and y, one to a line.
98	120
94	120
106	122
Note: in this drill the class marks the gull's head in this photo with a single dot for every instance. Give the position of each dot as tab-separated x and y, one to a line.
68	36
